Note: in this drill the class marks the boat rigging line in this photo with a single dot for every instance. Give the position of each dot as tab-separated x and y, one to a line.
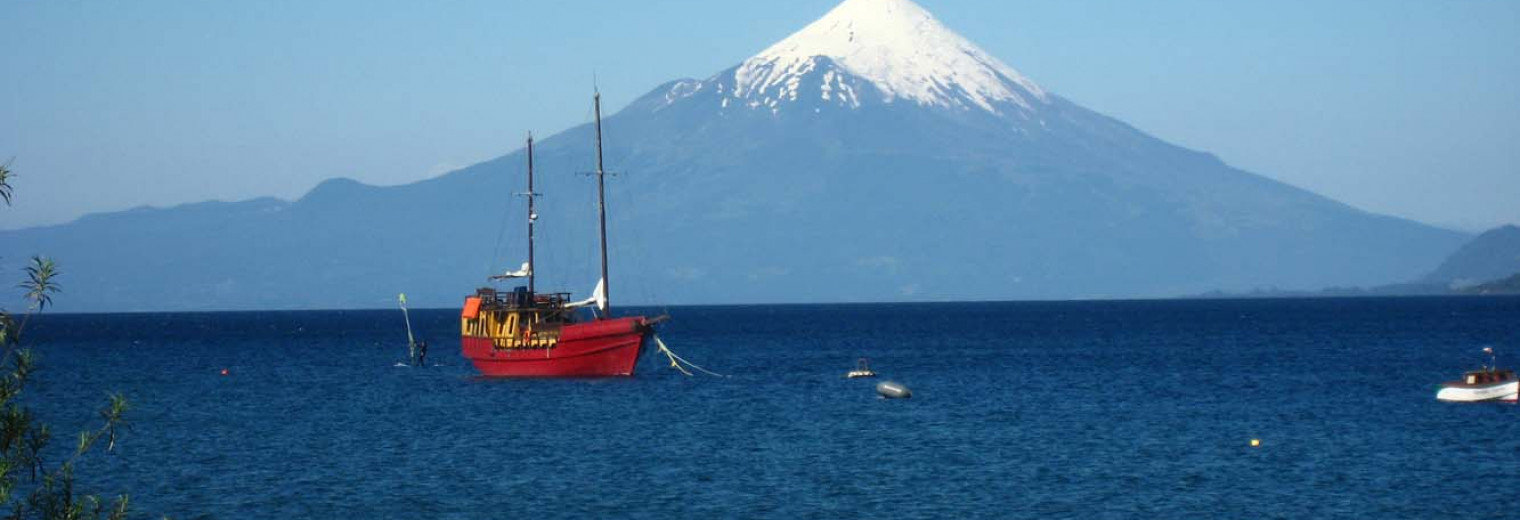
679	363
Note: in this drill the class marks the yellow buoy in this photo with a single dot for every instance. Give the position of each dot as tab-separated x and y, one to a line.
1255	443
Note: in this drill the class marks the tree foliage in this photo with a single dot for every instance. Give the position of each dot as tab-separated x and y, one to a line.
5	182
31	487
39	282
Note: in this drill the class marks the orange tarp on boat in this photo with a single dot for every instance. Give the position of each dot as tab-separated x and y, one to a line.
471	308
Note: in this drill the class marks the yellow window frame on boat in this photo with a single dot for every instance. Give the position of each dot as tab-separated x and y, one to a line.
505	328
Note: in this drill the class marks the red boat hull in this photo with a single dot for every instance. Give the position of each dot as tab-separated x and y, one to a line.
605	348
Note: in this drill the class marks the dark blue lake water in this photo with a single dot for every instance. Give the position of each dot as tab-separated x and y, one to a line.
1071	409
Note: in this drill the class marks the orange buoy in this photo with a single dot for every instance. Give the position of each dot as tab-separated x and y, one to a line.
224	371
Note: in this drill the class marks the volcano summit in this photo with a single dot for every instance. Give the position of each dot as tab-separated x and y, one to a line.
897	48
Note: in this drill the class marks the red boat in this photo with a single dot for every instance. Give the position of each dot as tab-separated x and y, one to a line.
522	333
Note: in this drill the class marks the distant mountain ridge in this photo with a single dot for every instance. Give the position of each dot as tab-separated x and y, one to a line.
1486	265
841	164
1509	285
1493	255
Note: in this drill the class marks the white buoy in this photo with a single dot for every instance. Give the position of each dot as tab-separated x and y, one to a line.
893	390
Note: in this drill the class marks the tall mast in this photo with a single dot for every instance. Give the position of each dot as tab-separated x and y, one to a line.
532	216
601	209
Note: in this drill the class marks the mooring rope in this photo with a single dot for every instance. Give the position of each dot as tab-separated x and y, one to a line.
677	361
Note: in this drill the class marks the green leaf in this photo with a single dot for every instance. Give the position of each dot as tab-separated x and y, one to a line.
39	282
5	182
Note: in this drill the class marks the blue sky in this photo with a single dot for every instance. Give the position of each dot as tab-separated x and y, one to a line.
1398	107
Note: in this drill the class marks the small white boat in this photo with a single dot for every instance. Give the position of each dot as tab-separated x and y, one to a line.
1486	384
862	369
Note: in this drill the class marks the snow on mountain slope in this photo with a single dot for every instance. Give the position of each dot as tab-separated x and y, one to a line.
894	45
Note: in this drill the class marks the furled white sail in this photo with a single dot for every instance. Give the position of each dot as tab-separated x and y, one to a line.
598	297
525	271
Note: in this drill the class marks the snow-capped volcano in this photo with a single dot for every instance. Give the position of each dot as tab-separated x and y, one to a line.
872	156
874	50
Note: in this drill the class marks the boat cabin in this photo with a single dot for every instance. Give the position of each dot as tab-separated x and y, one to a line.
516	319
862	369
1488	377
